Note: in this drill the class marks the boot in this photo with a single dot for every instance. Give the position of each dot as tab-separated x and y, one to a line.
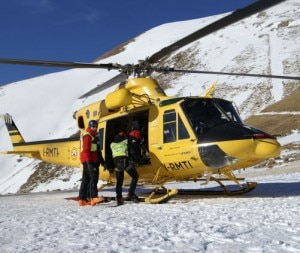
120	201
132	197
97	200
83	202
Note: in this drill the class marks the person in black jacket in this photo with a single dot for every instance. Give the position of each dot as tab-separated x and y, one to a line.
134	143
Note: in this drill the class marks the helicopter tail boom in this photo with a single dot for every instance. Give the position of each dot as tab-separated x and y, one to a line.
17	139
59	151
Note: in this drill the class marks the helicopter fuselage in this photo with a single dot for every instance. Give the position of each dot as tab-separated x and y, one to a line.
183	137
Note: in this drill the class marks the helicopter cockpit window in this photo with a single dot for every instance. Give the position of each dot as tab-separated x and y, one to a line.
205	114
230	111
182	132
170	127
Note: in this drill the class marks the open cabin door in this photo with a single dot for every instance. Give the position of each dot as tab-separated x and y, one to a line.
111	127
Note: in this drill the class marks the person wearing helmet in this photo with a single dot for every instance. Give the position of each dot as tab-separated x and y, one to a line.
134	143
89	158
137	149
119	148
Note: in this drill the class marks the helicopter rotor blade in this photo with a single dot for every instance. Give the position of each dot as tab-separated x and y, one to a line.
119	78
111	82
215	26
165	70
59	64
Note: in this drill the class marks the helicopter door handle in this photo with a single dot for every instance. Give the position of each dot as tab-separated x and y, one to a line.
158	147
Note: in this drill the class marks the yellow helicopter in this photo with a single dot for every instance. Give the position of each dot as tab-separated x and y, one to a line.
185	138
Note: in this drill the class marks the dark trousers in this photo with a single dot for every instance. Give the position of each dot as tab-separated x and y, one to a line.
88	187
121	164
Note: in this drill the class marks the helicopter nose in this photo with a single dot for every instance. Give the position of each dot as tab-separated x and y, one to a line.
267	148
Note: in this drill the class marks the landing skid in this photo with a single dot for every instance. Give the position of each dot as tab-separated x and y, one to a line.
161	194
225	192
168	194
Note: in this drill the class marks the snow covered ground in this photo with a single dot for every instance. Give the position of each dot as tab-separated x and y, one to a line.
264	220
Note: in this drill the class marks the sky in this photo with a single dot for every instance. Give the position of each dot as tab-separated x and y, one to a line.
81	31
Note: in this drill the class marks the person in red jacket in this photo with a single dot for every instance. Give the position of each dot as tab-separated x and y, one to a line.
89	158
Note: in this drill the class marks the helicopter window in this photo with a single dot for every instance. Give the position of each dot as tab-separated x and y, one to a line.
80	122
230	110
205	114
182	132
169	126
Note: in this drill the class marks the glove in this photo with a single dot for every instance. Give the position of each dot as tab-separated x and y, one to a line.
91	167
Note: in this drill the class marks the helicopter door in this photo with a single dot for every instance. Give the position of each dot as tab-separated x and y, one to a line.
176	142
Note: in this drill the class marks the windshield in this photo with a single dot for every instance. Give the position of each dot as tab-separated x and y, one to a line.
205	114
229	109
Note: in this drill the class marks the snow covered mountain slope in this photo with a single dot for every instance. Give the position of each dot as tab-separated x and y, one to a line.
267	43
